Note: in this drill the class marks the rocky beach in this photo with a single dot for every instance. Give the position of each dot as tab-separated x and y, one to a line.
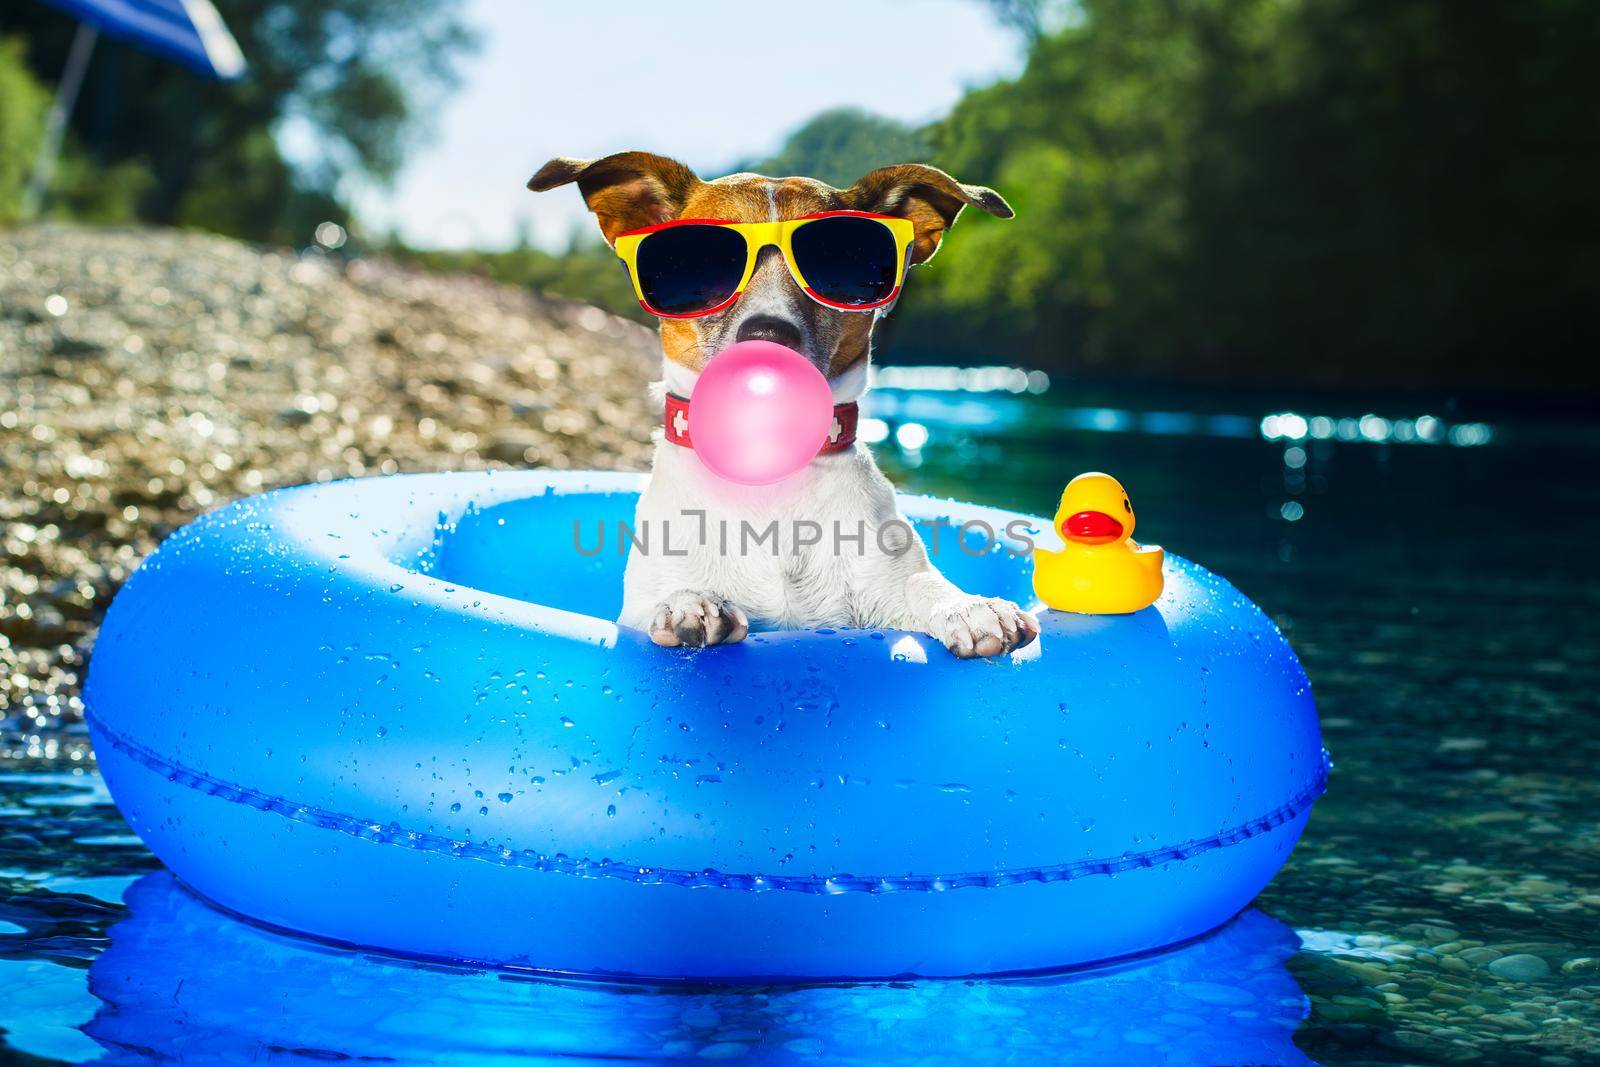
148	376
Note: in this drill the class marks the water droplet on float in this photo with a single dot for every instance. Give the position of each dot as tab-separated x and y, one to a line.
455	809
505	798
566	722
611	810
483	811
383	731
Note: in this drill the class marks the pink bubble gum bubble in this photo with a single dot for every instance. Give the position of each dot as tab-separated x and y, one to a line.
759	413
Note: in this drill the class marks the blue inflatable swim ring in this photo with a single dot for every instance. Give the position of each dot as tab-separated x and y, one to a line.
391	713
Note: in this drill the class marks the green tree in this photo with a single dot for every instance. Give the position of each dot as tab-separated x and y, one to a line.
1090	144
1411	196
23	103
1345	191
358	74
1034	18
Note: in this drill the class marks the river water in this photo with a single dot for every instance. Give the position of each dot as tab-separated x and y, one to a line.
1444	905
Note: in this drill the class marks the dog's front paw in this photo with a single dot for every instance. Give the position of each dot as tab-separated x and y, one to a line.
981	626
695	620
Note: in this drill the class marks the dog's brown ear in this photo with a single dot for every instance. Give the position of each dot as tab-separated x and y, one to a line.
927	196
625	191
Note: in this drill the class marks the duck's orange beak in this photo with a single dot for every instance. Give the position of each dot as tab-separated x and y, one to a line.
1091	528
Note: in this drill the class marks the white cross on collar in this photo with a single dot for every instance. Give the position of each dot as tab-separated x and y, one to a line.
680	423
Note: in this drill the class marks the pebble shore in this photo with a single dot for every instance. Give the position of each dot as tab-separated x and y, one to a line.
148	376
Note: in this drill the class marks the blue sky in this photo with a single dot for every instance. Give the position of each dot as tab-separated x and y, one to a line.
709	81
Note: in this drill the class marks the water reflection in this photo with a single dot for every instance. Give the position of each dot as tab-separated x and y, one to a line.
183	980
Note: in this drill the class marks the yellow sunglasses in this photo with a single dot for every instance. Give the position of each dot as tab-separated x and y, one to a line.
851	260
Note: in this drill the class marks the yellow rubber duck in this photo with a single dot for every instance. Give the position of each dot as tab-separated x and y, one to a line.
1099	571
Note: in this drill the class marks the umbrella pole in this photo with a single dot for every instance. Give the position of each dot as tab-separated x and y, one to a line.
44	164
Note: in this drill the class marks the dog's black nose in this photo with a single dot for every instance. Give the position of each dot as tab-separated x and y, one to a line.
770	328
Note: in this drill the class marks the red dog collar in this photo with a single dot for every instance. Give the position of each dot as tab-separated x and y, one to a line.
841	438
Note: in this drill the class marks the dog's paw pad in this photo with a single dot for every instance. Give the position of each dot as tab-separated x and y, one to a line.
975	626
694	620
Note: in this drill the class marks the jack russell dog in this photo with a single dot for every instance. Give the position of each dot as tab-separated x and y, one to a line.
841	554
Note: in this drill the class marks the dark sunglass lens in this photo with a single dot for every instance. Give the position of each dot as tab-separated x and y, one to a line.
846	259
685	269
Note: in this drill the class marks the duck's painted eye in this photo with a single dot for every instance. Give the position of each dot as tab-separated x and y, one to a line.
1127	506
